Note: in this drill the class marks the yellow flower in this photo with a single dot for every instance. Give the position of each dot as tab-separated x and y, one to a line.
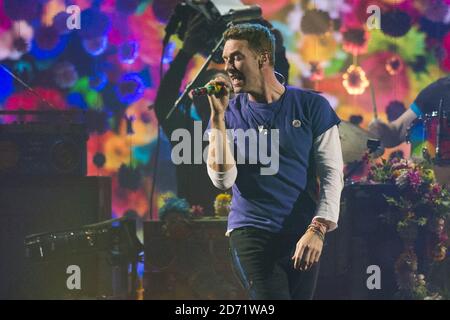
315	48
222	204
145	123
117	152
428	175
223	197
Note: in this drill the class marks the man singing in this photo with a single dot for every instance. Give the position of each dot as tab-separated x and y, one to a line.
276	229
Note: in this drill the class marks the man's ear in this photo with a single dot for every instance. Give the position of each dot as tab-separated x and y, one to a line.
264	59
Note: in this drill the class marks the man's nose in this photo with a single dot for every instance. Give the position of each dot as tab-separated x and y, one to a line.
229	66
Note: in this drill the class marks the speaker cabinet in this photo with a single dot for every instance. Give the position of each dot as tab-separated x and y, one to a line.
31	205
37	149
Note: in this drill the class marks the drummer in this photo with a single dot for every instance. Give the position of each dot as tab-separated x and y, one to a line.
394	133
428	101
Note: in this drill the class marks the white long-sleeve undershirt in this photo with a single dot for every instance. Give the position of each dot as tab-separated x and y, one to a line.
329	165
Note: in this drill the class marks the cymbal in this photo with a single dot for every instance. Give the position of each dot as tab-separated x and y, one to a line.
354	142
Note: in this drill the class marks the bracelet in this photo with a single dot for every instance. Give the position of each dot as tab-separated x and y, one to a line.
318	233
322	227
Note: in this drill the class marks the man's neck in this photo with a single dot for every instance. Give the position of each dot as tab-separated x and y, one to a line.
270	91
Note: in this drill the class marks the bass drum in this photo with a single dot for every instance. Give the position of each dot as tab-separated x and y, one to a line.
423	138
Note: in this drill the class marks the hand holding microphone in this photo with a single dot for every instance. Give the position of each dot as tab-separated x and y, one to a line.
218	93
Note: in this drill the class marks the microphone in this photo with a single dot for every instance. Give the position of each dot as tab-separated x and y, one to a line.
243	14
207	90
177	17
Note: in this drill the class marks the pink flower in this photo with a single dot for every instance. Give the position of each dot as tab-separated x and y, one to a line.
197	211
436	189
415	180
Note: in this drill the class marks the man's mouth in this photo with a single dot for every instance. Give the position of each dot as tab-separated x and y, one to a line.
236	79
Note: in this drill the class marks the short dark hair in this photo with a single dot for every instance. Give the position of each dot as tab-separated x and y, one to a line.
259	38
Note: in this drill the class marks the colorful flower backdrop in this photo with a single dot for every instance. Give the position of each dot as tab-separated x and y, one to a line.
110	68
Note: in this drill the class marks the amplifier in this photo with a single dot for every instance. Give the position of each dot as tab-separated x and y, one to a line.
33	205
37	149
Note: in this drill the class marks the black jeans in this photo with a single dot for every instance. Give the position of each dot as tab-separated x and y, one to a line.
262	261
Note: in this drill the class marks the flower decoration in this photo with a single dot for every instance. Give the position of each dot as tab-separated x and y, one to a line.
419	65
95	46
317	72
355	80
163	197
411	284
435	31
446	46
314	48
357	16
19	39
98	81
197	211
129	124
128	52
145	126
117	151
130	88
99	160
60	22
409	47
395	23
50	9
26	100
334	8
394	110
222	204
422	206
47	38
289	37
394	65
436	10
176	216
124	199
6	44
129	177
316	22
5	21
148	39
355	41
65	75
95	24
386	87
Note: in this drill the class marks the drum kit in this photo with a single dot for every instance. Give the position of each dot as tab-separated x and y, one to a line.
428	136
355	142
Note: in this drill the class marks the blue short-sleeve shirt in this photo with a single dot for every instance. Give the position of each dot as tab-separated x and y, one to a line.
277	202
